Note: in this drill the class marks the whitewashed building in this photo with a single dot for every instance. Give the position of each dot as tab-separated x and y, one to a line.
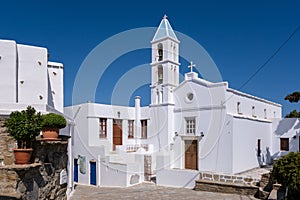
28	78
190	126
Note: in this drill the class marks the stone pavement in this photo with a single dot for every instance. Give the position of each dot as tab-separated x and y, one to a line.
149	191
255	173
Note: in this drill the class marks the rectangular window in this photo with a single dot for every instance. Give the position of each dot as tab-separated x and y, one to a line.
130	128
284	144
265	113
102	127
258	147
239	108
144	129
191	126
253	111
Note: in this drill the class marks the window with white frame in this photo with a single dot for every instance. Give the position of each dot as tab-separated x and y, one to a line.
190	125
284	144
130	128
102	127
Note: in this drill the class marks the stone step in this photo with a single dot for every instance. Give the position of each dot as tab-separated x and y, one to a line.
211	186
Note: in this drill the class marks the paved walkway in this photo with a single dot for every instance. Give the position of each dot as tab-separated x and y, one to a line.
149	191
255	173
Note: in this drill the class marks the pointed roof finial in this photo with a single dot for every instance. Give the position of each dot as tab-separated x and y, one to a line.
164	30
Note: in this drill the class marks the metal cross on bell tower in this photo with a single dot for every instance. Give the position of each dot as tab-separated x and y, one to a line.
191	66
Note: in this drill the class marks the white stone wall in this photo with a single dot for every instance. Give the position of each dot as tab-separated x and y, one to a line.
25	80
177	178
80	141
160	127
8	67
32	75
55	86
285	128
246	132
86	142
209	113
264	109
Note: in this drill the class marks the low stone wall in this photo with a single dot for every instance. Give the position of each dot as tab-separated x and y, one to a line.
7	144
224	178
40	180
213	186
213	182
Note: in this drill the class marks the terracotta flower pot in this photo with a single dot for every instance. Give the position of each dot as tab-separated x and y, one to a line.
22	156
50	133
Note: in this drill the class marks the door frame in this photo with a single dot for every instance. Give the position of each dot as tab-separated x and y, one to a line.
75	170
93	162
118	122
192	138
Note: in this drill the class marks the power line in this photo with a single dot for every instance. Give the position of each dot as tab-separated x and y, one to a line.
267	61
270	58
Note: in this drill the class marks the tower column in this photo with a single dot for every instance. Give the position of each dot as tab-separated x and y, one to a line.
165	64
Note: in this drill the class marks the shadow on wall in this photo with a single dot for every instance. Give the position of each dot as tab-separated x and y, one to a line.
294	143
286	125
264	158
288	128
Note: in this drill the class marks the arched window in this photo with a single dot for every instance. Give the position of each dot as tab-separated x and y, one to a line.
160	52
160	74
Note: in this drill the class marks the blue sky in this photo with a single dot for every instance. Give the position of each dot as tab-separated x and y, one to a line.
239	36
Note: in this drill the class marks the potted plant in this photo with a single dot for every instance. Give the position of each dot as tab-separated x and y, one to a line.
24	126
51	124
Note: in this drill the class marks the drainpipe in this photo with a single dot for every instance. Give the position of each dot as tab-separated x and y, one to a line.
70	160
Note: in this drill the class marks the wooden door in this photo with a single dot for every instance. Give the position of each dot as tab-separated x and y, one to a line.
191	154
117	133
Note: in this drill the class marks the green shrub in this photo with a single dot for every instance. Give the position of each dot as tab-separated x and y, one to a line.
286	171
52	120
24	126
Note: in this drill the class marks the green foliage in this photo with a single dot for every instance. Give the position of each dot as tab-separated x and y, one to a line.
52	120
293	114
24	126
293	98
286	171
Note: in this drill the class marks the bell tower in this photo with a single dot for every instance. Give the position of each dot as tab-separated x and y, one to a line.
165	64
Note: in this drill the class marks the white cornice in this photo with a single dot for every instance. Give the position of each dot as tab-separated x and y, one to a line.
210	107
252	97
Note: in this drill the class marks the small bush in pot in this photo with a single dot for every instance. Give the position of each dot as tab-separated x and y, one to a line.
51	124
24	126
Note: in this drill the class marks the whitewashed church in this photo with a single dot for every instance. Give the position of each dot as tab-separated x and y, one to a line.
190	126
